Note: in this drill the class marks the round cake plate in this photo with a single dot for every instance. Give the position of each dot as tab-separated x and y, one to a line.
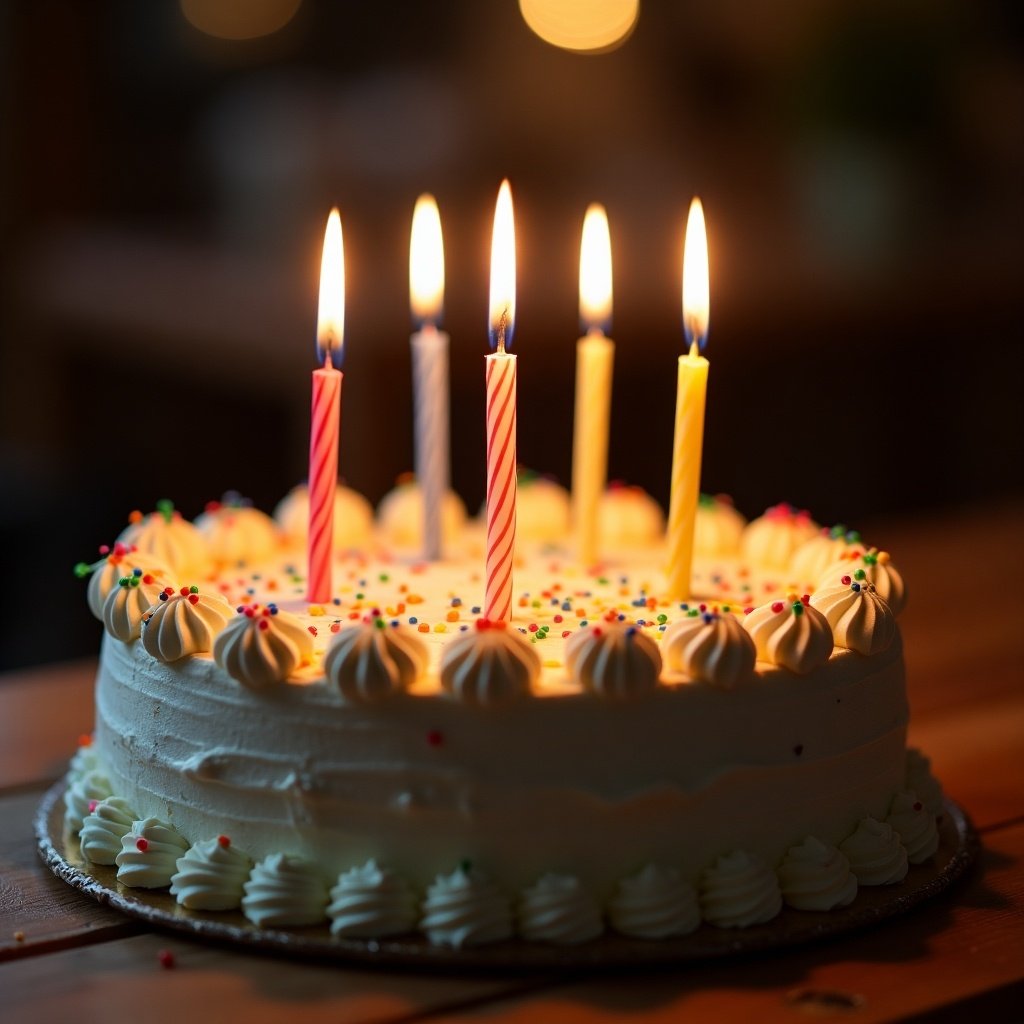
957	851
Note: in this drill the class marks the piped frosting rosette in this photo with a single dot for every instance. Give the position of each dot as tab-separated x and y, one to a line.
262	646
80	797
791	634
614	659
877	569
557	909
711	646
816	876
115	563
542	508
875	853
655	903
183	622
170	539
914	825
236	532
106	824
718	528
374	659
127	604
353	517
371	902
739	890
772	539
211	876
149	854
861	621
489	665
400	515
629	517
812	559
284	890
465	908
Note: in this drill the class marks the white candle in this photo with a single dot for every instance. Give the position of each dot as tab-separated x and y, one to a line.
429	370
594	356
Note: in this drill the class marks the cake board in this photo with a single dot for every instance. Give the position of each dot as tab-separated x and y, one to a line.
958	849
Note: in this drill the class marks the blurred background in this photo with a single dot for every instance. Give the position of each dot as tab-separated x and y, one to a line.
167	167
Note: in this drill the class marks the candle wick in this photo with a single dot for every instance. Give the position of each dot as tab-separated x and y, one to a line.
694	348
500	331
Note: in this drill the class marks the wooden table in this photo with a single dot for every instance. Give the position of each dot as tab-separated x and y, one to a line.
67	958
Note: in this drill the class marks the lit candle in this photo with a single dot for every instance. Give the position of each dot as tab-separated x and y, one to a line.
429	369
690	394
594	356
326	413
501	415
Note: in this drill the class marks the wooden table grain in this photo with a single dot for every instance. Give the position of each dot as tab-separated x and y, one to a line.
64	957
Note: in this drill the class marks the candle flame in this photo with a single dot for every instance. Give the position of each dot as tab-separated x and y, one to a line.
696	302
596	270
330	321
426	262
502	312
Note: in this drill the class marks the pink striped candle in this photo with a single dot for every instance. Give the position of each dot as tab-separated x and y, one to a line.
501	415
326	414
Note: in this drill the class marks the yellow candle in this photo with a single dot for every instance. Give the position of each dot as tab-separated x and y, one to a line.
594	356
691	390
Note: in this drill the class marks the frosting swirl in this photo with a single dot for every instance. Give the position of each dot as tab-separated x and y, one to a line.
878	569
489	665
104	827
814	876
170	539
262	646
183	623
465	908
542	508
149	854
915	826
739	890
711	647
861	621
211	876
718	527
400	515
371	902
921	780
128	602
117	562
236	533
790	633
628	516
812	558
353	517
89	787
85	759
771	539
557	909
284	890
613	659
875	853
374	659
655	903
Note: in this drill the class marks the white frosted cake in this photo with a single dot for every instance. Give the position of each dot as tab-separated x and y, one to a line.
390	763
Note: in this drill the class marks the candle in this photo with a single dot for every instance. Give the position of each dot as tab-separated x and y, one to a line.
326	413
594	356
690	394
429	369
501	415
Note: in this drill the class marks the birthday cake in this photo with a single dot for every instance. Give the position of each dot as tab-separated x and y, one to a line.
388	762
